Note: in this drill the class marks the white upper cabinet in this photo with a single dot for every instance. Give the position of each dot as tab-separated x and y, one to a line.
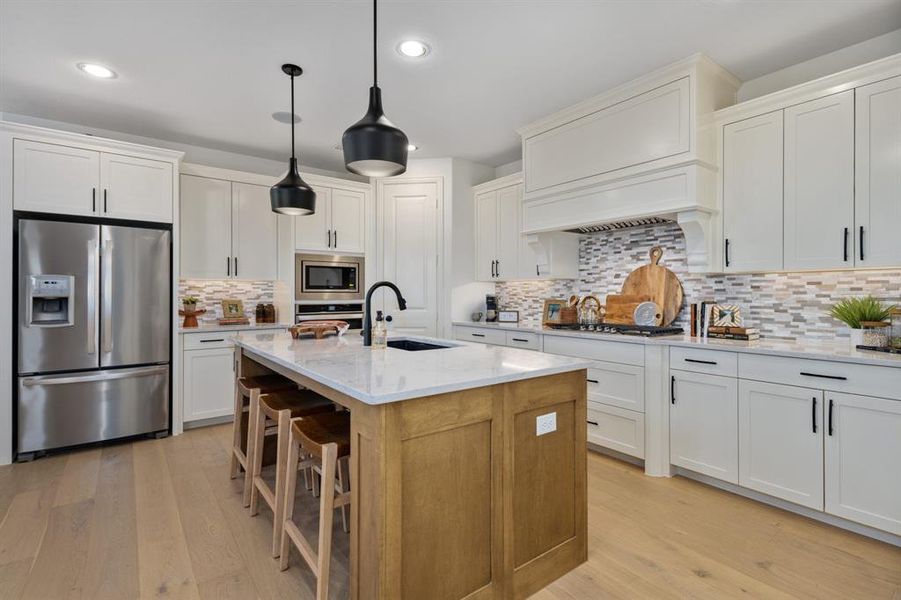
55	179
752	193
254	233
348	221
878	174
863	444
313	232
486	235
508	235
819	183
206	221
135	188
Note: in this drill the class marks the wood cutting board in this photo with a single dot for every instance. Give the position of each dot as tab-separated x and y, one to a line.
621	307
658	283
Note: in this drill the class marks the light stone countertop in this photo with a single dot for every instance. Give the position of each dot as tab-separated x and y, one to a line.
212	327
390	375
836	350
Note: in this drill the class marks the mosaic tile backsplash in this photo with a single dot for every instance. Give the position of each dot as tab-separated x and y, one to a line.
210	293
785	306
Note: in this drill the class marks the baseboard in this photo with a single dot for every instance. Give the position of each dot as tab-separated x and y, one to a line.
207	422
617	455
870	532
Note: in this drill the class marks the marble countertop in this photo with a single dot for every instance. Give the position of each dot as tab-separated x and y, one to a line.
837	350
211	327
390	375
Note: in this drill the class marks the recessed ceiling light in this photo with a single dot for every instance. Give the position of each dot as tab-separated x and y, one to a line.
413	48
97	70
412	147
284	116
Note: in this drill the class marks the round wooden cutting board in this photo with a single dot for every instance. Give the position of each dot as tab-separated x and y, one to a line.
659	283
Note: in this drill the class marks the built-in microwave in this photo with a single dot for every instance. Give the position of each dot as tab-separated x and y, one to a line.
326	277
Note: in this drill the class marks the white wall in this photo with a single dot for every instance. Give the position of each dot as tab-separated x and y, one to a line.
508	169
827	64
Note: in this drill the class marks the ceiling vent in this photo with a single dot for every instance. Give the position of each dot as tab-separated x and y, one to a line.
620	225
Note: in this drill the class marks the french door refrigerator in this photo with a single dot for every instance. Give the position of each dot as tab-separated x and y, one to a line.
94	328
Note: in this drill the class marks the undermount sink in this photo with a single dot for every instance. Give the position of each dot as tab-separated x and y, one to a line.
415	345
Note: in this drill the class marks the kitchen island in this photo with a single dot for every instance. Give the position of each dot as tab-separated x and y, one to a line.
468	462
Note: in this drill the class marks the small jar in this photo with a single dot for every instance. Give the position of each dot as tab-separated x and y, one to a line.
875	333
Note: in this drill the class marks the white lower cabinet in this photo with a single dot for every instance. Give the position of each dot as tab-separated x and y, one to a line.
862	452
616	428
780	445
704	424
209	383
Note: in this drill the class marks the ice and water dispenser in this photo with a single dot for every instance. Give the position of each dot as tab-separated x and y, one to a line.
50	301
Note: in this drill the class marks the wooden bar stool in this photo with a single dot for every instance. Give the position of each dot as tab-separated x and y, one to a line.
247	390
326	437
278	408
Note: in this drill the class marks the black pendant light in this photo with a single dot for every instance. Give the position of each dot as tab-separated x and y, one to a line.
373	146
292	195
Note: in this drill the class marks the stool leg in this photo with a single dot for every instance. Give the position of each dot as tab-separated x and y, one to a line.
278	517
235	467
259	434
326	513
288	500
342	485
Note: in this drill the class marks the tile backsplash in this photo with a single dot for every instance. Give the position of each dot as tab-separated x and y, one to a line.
782	305
210	293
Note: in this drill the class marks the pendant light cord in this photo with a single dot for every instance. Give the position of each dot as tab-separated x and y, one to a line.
375	60
292	116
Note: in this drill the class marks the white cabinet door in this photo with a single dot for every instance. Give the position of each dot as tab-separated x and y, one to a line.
206	223
704	424
135	188
752	193
209	383
55	179
486	235
254	233
877	201
819	183
780	449
508	232
348	221
863	448
616	428
313	232
614	384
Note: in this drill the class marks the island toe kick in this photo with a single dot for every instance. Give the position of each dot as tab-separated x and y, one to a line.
478	493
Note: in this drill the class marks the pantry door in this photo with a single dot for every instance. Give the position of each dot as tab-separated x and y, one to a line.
407	252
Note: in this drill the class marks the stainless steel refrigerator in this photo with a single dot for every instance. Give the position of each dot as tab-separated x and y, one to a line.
93	338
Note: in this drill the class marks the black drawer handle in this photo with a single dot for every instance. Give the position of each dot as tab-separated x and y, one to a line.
595	423
830	416
520	340
700	362
477	334
836	377
813	414
593	381
211	341
672	389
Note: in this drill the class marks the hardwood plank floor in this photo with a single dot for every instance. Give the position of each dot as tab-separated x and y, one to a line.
161	519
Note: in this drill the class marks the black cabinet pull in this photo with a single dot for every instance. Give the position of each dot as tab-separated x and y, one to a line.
813	415
861	242
328	234
497	268
727	252
537	271
236	266
520	340
104	200
672	389
211	341
595	423
700	362
836	377
830	416
228	266
845	245
478	335
593	381
335	241
93	199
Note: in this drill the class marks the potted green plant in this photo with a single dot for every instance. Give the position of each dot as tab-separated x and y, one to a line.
860	314
190	303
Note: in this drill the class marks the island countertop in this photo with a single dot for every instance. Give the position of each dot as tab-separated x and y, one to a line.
390	375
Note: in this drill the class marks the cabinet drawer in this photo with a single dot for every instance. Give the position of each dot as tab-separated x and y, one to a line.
699	360
521	339
616	428
617	385
205	341
483	335
867	380
603	350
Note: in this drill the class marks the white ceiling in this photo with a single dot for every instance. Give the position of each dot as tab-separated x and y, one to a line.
207	72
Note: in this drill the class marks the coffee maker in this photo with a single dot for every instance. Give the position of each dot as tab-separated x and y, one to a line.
490	309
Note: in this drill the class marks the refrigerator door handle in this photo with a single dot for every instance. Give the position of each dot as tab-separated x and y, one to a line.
95	376
91	301
106	302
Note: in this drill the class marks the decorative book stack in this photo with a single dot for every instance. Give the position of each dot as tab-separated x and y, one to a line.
733	333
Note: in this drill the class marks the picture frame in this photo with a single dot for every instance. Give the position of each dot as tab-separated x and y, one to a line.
232	309
726	315
508	316
553	310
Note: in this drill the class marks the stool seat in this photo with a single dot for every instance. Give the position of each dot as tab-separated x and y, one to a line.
317	430
267	384
300	403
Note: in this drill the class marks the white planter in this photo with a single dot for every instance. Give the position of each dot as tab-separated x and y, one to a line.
856	338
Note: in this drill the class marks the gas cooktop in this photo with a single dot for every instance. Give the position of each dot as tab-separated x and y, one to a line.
640	330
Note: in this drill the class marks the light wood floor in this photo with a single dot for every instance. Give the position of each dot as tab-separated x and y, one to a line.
161	519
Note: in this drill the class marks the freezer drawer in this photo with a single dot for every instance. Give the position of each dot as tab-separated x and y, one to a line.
55	411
